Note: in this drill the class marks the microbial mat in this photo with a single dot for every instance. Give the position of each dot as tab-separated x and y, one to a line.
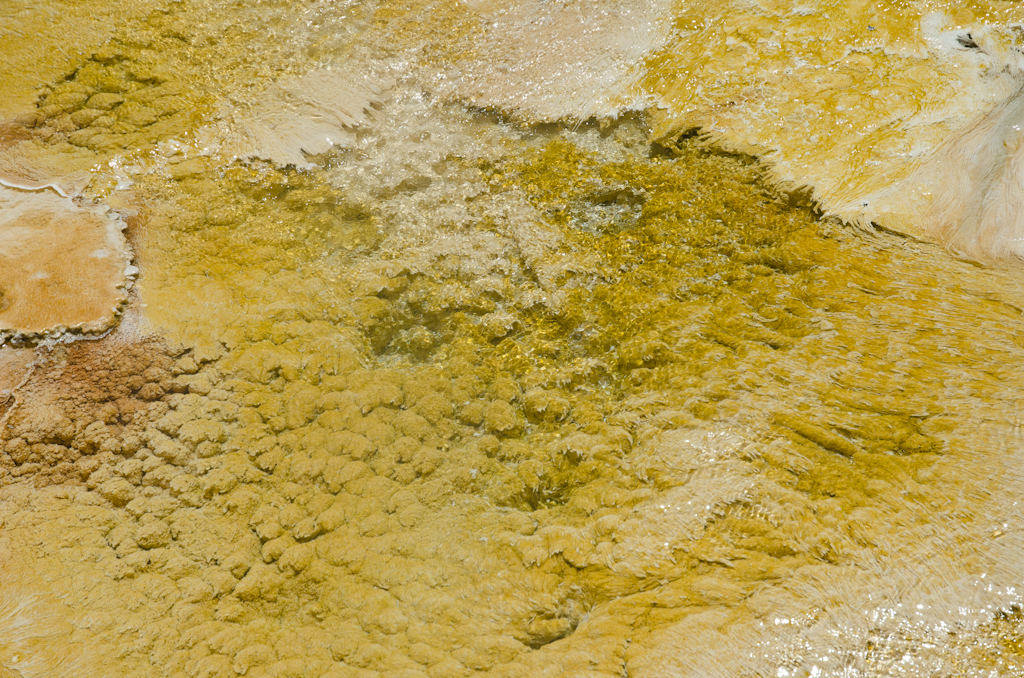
437	339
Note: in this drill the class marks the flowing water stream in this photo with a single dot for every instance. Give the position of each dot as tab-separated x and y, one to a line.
467	390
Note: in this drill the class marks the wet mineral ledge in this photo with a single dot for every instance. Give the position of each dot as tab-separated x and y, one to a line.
63	268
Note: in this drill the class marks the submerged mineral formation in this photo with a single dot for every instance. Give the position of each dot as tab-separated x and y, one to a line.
62	267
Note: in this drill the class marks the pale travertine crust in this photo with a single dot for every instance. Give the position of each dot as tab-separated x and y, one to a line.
295	117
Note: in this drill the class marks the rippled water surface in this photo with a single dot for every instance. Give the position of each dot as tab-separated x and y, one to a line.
475	393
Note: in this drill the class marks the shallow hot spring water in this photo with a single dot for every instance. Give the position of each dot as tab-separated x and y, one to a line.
462	393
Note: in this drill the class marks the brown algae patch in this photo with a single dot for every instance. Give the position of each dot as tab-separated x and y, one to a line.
83	402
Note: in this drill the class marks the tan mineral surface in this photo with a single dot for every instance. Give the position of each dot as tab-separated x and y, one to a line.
62	267
429	374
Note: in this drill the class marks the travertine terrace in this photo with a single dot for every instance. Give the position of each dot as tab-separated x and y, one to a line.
512	339
63	268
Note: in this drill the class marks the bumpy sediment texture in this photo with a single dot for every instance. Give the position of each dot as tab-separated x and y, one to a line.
520	403
895	114
42	42
471	397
